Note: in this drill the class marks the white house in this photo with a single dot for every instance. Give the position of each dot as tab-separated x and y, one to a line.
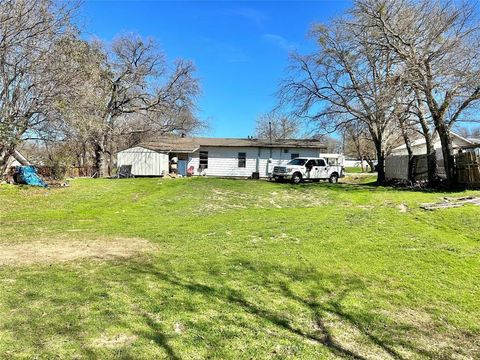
419	147
225	157
17	159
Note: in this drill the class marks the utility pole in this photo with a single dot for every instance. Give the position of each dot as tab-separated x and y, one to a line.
270	135
270	131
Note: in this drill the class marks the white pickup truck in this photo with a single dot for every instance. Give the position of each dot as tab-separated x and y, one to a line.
312	169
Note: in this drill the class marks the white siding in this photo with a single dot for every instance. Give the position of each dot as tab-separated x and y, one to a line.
13	162
144	162
353	163
421	148
223	161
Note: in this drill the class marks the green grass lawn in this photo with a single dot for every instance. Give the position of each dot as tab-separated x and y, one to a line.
354	170
232	269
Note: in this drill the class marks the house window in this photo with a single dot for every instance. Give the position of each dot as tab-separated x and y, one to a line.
242	159
294	156
203	159
285	151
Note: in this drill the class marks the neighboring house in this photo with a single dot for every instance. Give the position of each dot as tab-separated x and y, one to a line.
224	157
419	147
473	148
17	159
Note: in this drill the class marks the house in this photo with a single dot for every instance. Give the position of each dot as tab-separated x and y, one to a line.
17	159
419	147
223	157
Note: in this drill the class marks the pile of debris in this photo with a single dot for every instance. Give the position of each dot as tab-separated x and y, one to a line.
26	175
449	202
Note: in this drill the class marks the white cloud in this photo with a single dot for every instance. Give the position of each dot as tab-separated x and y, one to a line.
250	14
225	51
280	42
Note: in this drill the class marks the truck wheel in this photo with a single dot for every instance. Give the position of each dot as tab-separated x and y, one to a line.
333	178
297	178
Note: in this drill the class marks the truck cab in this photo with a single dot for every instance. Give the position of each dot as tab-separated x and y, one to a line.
308	169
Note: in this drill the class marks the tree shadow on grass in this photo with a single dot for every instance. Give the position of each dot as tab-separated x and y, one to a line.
319	296
278	282
157	334
233	296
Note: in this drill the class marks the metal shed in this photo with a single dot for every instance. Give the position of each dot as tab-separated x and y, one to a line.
144	162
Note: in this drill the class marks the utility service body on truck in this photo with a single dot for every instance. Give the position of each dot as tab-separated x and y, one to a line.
313	169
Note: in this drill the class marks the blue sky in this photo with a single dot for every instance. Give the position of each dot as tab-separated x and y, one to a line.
239	47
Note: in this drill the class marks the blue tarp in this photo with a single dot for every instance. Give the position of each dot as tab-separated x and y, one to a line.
28	175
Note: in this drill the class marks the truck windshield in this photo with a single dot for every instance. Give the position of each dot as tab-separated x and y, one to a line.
300	162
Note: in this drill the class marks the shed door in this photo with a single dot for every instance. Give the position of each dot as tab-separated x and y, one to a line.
182	167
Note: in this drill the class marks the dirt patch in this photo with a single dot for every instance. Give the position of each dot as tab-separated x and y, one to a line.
222	200
61	250
179	328
114	341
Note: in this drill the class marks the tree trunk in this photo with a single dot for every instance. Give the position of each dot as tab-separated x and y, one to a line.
101	162
102	155
5	153
448	158
431	154
411	175
408	145
381	179
370	164
431	161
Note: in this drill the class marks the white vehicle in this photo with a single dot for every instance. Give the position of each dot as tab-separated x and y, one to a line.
312	169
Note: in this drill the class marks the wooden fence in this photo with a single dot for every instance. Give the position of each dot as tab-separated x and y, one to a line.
396	167
49	172
468	168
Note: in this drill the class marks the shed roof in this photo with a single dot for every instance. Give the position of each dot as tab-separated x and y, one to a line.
191	144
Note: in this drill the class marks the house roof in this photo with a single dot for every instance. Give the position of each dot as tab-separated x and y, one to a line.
191	144
17	156
421	141
475	141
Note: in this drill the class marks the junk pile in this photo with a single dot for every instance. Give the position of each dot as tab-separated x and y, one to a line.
449	202
27	175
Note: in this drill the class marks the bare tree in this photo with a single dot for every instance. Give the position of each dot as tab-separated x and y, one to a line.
469	132
276	126
31	77
346	80
438	43
141	94
333	145
357	141
407	128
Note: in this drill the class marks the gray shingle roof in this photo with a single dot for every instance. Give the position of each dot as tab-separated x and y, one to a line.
190	144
